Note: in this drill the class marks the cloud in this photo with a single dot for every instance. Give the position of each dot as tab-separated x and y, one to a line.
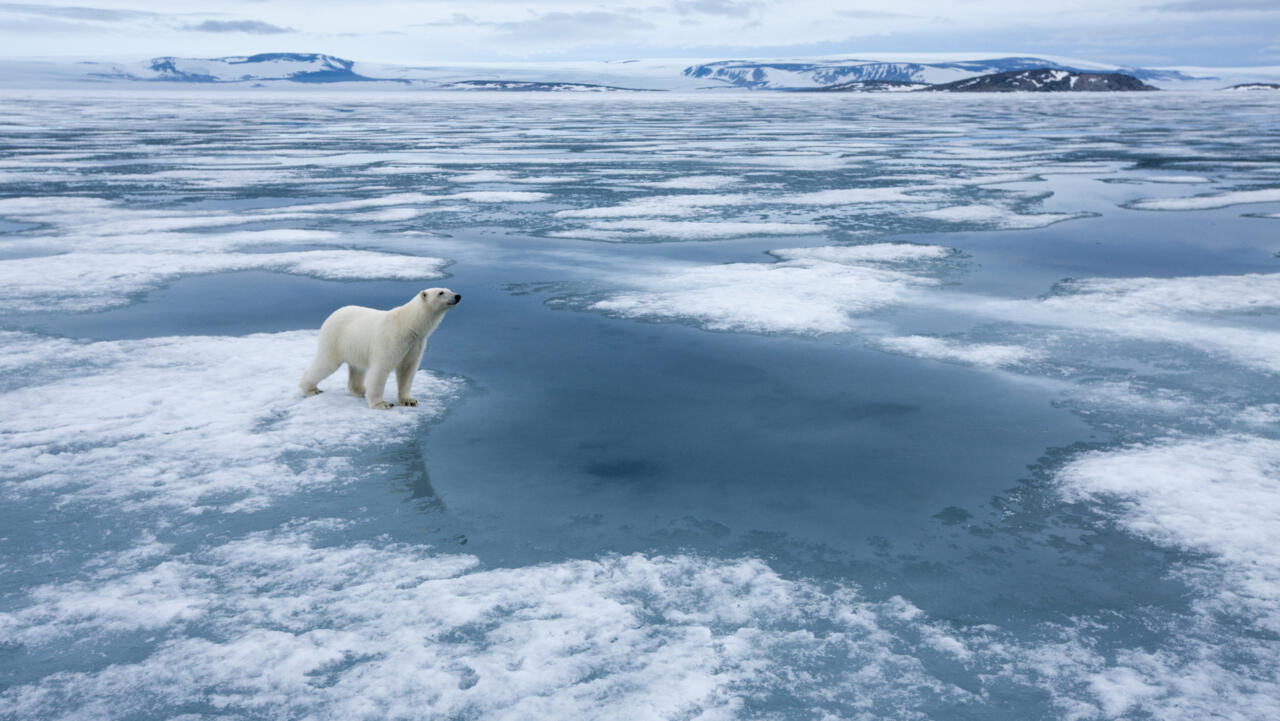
255	27
1204	6
74	12
455	19
726	8
556	26
873	15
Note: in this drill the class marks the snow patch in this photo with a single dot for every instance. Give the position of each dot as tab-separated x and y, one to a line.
682	205
694	182
995	216
628	230
1218	496
988	355
190	424
1206	202
820	290
94	281
391	631
498	196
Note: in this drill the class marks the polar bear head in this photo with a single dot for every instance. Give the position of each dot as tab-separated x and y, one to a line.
438	300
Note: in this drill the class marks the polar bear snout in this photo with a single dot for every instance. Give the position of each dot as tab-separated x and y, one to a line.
441	298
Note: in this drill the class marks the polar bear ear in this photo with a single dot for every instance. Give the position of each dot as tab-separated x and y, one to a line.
423	294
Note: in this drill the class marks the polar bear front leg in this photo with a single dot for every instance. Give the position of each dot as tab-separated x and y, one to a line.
405	371
376	383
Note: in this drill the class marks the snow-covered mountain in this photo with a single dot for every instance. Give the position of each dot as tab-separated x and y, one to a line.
847	73
823	73
774	75
264	67
531	86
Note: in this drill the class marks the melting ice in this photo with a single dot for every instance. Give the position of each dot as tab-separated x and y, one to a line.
786	407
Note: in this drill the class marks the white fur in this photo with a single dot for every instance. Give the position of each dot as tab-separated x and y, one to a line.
373	343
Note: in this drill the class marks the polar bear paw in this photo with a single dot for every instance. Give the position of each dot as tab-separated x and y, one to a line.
311	391
380	406
409	401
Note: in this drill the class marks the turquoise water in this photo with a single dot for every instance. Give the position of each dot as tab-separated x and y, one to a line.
1003	447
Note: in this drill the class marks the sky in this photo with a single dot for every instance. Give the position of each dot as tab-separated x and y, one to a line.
410	32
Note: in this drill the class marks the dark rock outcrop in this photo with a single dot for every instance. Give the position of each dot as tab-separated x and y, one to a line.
1044	80
1255	86
872	86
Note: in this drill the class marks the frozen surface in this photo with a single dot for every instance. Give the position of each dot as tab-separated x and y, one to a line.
90	281
979	354
819	288
869	407
1216	496
152	423
997	217
1217	200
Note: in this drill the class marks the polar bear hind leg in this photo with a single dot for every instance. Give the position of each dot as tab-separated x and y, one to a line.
322	367
355	380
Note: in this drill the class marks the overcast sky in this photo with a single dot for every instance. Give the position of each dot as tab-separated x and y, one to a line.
1138	32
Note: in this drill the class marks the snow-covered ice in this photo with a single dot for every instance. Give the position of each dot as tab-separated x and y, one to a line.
977	457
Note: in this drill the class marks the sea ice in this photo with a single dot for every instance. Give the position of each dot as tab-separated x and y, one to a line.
93	281
1210	495
995	216
1205	202
392	631
819	289
193	424
628	230
990	355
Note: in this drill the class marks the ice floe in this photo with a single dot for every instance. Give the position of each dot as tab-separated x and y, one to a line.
1189	294
1206	202
990	215
498	196
393	631
991	355
827	287
93	281
808	290
1178	311
1218	496
88	253
694	182
192	424
684	205
631	230
504	176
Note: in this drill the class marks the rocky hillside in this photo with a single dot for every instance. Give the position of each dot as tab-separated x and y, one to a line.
1044	80
873	86
1255	86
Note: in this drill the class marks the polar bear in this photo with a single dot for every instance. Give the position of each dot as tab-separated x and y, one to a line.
375	342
